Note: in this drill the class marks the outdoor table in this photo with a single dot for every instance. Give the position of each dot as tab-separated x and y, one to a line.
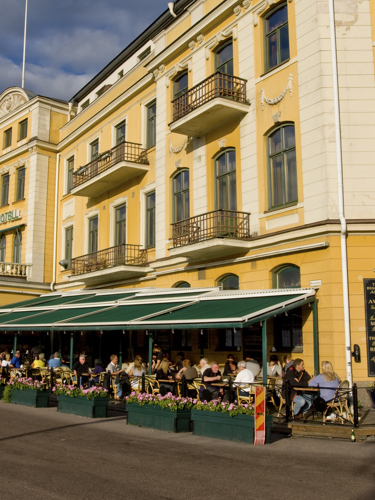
223	385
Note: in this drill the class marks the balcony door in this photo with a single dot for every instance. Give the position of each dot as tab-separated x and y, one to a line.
120	235
224	65
226	194
120	141
93	235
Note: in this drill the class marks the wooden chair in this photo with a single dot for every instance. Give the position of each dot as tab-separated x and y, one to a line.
197	387
152	385
340	403
245	399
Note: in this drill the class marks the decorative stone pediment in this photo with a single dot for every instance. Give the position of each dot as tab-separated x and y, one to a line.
12	99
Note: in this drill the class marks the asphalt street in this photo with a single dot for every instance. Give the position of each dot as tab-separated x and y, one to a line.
45	454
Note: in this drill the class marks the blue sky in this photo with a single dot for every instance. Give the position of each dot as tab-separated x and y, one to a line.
68	41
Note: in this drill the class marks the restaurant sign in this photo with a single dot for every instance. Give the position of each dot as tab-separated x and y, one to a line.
369	285
10	216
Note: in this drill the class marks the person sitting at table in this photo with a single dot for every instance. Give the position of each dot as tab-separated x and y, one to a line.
55	362
203	365
274	367
210	375
137	370
164	373
114	369
298	377
288	364
328	381
15	362
187	370
179	362
79	368
230	367
252	365
98	369
244	377
39	363
6	360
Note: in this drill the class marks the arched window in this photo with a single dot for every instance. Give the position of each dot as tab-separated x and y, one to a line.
277	37
229	282
282	166
287	327
224	58
287	276
181	209
3	245
17	247
225	174
182	284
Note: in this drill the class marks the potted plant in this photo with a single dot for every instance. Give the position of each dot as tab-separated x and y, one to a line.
223	420
166	413
92	402
27	392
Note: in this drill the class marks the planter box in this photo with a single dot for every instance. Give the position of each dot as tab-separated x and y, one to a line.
93	408
223	426
156	417
29	397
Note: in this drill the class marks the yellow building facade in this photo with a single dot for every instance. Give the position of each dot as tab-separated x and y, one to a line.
210	153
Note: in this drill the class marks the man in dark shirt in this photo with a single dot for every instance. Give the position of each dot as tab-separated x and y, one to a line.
160	355
81	367
298	377
16	360
212	375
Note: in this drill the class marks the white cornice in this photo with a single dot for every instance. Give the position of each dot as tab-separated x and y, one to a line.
53	148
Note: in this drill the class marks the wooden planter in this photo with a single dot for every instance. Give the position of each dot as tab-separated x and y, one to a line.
93	408
156	417
30	397
223	426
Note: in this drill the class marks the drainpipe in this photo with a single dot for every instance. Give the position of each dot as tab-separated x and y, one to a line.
55	225
340	191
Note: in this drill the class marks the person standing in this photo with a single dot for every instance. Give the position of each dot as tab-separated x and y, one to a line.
114	369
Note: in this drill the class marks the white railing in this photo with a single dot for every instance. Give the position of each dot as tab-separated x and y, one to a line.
13	269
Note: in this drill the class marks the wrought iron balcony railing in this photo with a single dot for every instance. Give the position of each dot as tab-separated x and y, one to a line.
125	151
216	85
120	255
13	269
215	224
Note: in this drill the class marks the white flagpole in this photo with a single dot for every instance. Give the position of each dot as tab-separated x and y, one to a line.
24	47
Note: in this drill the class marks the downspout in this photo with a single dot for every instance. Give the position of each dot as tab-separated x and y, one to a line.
55	225
340	191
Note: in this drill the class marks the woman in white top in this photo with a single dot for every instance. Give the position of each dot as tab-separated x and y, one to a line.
274	367
6	361
137	370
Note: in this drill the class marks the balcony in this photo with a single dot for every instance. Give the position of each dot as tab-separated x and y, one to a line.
14	269
115	166
210	235
114	263
217	100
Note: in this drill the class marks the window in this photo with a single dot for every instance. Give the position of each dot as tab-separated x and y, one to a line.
120	230
229	339
69	246
180	85
120	132
182	340
17	247
151	125
182	284
181	209
3	247
70	171
282	167
85	104
225	173
230	282
144	54
287	327
20	184
93	235
22	129
94	149
224	59
277	37
5	190
7	138
150	220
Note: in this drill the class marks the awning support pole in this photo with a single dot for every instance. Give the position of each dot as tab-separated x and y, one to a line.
150	345
71	349
264	352
120	352
315	334
202	344
15	344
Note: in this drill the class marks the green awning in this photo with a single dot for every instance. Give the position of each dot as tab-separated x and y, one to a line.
11	228
26	303
48	318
